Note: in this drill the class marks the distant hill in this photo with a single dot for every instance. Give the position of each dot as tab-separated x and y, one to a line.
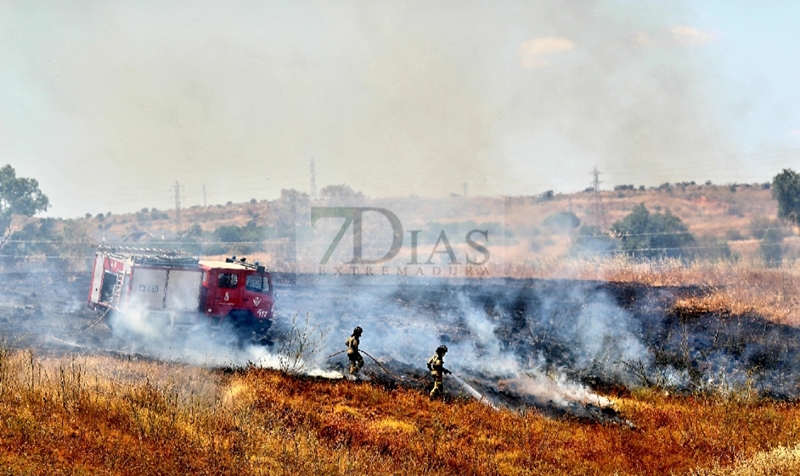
717	215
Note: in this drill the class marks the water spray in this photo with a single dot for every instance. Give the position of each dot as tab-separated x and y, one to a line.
471	390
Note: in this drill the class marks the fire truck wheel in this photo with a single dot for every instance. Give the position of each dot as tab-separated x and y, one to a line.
240	325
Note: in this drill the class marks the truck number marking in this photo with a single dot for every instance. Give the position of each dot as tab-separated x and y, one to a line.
262	313
150	288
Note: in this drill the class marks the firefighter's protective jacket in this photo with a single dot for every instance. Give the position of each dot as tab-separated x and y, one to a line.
436	366
352	345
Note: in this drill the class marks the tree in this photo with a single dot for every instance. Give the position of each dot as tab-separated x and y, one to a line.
786	190
19	197
546	196
67	240
291	195
339	192
652	235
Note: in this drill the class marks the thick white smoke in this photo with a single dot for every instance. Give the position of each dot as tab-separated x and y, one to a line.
405	324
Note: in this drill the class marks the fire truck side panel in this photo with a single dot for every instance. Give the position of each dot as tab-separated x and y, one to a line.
97	280
183	290
148	287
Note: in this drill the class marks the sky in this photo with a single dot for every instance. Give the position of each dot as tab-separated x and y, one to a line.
110	104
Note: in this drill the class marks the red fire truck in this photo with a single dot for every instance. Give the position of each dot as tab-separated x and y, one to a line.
172	289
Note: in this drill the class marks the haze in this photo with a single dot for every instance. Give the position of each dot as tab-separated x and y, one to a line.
109	104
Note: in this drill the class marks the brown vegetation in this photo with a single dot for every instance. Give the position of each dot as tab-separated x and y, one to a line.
105	415
744	287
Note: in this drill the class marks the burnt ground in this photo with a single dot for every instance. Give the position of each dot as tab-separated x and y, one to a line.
607	336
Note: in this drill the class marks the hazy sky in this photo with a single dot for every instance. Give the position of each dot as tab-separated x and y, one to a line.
107	104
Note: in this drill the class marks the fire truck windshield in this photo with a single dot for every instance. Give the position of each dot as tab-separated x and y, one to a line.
259	284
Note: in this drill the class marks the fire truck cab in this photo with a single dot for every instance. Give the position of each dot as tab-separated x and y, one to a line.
239	291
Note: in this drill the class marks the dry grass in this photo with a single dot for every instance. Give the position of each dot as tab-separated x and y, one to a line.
102	415
781	461
745	287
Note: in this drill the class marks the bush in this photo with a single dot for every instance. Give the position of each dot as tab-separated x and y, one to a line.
592	240
771	248
299	345
655	235
711	248
195	230
565	221
734	235
759	225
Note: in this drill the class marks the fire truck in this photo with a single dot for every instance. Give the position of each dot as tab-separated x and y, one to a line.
171	289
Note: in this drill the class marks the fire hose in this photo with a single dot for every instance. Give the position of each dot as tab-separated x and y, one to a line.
92	325
469	388
335	354
81	332
379	365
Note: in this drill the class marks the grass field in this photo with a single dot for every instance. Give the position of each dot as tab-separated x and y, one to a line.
106	415
112	415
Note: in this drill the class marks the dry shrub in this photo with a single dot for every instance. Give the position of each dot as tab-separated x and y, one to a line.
299	344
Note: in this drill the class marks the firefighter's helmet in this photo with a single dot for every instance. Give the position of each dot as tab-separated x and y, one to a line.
357	331
442	349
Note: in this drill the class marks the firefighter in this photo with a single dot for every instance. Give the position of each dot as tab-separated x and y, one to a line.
356	361
436	367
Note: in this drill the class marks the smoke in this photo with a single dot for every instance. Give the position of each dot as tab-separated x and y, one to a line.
135	332
510	98
403	325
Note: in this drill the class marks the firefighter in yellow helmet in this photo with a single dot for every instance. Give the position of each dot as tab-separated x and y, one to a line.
356	361
436	366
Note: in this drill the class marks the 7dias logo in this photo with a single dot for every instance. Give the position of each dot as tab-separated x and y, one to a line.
467	257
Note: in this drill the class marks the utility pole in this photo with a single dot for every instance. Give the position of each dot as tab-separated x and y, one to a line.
313	191
178	205
205	204
599	211
465	189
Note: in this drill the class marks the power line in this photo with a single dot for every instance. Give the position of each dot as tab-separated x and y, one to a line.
598	201
178	205
313	188
274	241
